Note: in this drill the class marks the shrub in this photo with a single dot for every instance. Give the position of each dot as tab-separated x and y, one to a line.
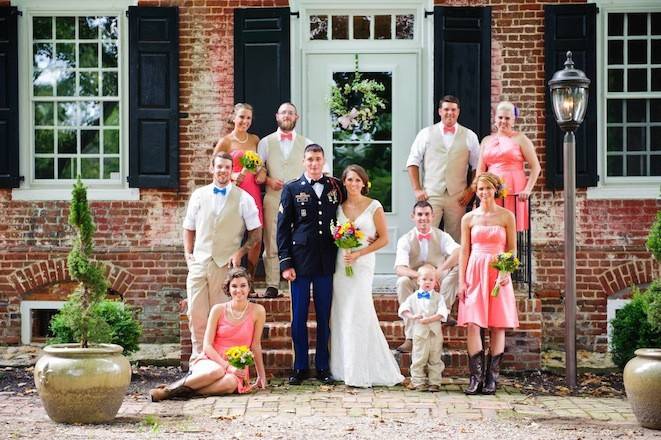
654	239
114	323
632	328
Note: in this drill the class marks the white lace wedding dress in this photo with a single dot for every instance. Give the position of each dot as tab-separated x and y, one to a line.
359	352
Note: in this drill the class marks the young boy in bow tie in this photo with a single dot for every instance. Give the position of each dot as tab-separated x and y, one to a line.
426	309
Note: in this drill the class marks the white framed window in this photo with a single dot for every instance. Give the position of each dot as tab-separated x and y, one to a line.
73	98
629	99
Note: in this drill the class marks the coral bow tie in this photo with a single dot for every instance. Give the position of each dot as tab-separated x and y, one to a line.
424	236
448	130
286	136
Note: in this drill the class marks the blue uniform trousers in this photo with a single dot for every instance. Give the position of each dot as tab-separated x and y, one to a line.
300	300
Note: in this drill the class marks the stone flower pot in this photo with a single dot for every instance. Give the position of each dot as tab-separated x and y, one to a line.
642	382
82	385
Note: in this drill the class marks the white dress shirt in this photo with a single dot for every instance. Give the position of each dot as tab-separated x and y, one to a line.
421	143
248	208
317	187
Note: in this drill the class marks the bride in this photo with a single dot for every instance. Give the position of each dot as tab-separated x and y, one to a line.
359	352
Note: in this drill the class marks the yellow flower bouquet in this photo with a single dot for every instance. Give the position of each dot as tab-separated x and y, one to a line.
251	161
239	357
347	236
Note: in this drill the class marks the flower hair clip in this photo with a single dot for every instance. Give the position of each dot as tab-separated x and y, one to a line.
517	112
501	189
369	184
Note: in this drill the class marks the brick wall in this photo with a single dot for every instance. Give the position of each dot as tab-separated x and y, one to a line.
143	238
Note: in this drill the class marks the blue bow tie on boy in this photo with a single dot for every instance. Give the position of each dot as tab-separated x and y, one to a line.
221	191
424	294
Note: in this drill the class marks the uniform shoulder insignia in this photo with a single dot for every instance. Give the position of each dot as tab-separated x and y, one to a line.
291	181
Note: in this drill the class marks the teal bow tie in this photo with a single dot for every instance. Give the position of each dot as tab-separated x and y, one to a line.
424	295
220	191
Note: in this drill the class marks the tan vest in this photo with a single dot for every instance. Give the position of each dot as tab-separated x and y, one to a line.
219	236
445	169
434	254
277	166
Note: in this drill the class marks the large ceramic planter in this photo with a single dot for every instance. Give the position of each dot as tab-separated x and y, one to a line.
82	385
642	382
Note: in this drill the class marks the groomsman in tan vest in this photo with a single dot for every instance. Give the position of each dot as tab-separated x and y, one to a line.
216	220
443	151
425	244
282	153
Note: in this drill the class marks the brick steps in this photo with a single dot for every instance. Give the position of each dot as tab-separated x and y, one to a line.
278	309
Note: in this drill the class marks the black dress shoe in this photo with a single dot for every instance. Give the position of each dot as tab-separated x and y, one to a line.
271	292
297	377
325	377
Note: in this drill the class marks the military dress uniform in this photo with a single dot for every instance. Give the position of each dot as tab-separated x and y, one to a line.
305	244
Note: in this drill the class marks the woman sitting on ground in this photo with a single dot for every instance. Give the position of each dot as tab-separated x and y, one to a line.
234	323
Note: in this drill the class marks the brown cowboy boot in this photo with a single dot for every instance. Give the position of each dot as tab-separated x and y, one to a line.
492	373
475	364
177	389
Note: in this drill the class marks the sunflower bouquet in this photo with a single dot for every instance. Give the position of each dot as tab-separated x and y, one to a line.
347	236
239	357
251	161
506	263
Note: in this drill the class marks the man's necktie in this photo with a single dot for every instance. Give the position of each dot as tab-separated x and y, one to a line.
424	295
286	136
448	130
424	236
221	191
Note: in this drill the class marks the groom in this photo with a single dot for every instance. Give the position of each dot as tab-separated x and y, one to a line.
307	257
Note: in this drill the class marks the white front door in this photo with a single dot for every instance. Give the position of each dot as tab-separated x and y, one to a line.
383	149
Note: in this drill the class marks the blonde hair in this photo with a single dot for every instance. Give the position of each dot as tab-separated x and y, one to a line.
508	106
426	268
235	111
495	182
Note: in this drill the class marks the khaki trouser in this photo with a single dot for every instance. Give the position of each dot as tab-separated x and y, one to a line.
204	288
427	353
448	208
271	261
406	286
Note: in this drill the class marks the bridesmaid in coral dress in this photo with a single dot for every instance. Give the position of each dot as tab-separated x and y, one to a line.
486	232
237	142
504	154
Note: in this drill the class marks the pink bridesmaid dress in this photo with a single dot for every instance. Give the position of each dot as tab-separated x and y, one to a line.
503	157
248	184
479	307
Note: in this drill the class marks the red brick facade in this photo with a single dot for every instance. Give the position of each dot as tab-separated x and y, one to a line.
139	242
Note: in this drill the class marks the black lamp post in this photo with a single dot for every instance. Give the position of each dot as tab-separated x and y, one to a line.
569	95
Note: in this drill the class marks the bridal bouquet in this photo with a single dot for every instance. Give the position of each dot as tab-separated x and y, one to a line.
239	357
347	236
506	263
251	161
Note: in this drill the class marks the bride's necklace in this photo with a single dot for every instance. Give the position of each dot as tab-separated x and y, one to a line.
239	140
233	315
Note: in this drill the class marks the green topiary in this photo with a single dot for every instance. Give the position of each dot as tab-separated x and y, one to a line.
654	239
631	327
117	325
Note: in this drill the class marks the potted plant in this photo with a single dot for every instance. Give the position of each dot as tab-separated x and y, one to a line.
637	342
83	382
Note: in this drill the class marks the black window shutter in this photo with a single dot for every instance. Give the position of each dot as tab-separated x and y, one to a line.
462	63
261	63
571	27
153	97
9	177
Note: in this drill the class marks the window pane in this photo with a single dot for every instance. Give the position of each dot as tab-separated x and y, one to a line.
616	52
110	165
636	138
655	138
637	52
655	165
109	53
614	166
88	55
404	27
614	138
44	113
89	84
90	113
110	113
340	27
42	28
89	141
66	168
656	51
88	28
44	141
637	24
67	113
109	28
656	80
636	165
614	110
66	54
67	142
382	30
42	55
656	23
318	27
65	28
66	83
636	111
110	141
110	87
89	168
615	80
44	168
615	24
361	27
637	80
655	110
